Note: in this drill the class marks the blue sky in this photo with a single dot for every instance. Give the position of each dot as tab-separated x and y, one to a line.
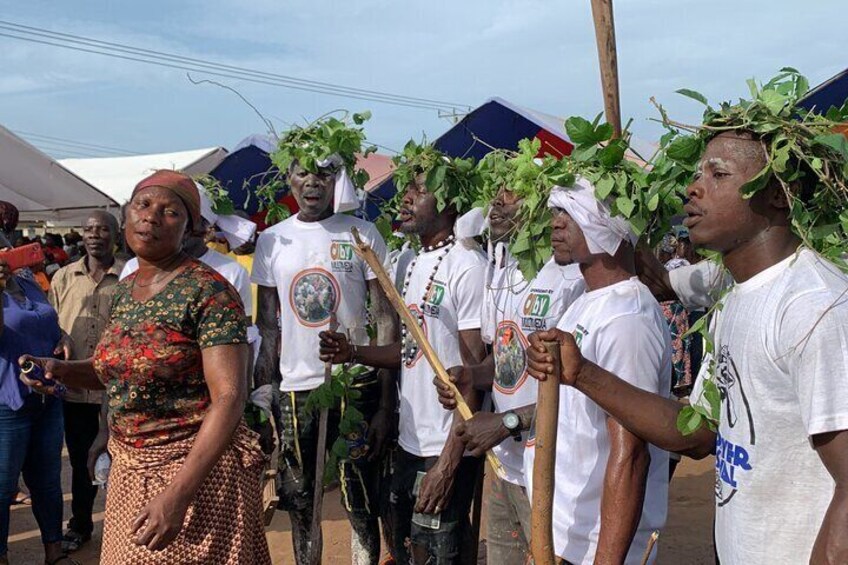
536	54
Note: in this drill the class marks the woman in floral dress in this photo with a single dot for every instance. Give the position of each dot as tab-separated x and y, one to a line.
185	484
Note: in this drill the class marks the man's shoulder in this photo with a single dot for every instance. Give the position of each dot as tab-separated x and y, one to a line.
467	254
64	274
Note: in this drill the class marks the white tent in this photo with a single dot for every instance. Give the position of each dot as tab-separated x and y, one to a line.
117	176
41	188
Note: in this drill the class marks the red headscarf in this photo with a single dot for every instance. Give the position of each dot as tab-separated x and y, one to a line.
179	184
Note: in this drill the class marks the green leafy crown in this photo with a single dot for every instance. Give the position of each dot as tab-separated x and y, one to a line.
805	153
453	181
530	178
222	204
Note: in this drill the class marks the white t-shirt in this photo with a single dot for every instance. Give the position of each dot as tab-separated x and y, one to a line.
782	343
621	329
453	304
227	267
316	272
519	310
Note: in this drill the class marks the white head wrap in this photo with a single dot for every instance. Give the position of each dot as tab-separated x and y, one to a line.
237	231
603	232
345	198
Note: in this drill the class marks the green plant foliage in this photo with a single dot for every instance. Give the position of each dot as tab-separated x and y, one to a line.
309	145
531	179
646	199
453	181
220	197
339	393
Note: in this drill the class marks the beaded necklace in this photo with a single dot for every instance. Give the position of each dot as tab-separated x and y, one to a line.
409	348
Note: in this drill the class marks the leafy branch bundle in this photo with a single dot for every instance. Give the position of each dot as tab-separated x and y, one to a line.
340	394
313	144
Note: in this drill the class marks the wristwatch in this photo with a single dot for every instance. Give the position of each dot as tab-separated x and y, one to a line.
512	423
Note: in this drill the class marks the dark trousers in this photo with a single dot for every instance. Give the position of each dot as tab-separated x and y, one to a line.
450	542
31	443
81	425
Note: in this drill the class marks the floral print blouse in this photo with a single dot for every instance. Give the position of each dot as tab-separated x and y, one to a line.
149	357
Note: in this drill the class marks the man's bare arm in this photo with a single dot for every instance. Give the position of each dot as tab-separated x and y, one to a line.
624	493
831	545
268	362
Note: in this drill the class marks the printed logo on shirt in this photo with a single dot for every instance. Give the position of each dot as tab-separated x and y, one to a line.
579	333
731	459
535	311
313	296
510	347
341	256
433	300
409	345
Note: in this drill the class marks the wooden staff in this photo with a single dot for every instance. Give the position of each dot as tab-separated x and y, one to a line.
364	250
651	541
318	497
608	59
544	464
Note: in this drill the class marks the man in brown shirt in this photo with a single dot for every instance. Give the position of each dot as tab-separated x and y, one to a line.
82	295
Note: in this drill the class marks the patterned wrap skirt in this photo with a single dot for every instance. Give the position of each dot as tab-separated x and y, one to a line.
224	523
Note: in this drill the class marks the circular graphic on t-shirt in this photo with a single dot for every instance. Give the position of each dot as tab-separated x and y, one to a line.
510	357
410	352
314	295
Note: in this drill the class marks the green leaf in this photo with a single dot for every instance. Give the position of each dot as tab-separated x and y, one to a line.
603	132
835	141
688	420
625	206
611	155
654	202
685	149
773	100
604	187
580	131
693	95
757	183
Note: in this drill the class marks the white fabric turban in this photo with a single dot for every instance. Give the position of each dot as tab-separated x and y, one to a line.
237	231
345	198
603	232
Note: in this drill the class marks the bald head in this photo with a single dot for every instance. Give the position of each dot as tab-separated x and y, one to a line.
8	216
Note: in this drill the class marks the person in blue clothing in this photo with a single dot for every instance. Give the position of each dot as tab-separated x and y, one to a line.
31	429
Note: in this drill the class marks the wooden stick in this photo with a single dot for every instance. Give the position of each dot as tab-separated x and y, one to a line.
651	542
544	466
608	59
318	497
364	250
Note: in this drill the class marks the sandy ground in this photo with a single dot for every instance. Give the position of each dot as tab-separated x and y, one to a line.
687	538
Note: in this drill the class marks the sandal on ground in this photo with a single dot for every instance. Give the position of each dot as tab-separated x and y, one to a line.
62	560
22	498
73	540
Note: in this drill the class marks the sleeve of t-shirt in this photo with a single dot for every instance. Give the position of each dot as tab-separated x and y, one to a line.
263	273
378	245
468	297
220	316
812	344
699	285
635	351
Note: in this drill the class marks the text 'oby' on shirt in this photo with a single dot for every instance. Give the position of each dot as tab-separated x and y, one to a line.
513	310
620	328
453	304
316	273
781	367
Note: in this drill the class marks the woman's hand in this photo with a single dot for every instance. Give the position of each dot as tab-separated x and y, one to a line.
159	523
49	367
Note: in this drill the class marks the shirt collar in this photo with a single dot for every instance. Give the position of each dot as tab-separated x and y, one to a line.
79	267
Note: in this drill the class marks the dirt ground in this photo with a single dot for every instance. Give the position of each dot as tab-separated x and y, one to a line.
686	540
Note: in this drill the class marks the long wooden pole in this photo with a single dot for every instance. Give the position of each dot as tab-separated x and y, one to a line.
544	466
608	59
364	250
316	544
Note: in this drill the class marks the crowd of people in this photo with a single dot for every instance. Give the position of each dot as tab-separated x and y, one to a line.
155	360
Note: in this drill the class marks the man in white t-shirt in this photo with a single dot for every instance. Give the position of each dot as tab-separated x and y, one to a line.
780	372
611	487
514	308
443	288
307	271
